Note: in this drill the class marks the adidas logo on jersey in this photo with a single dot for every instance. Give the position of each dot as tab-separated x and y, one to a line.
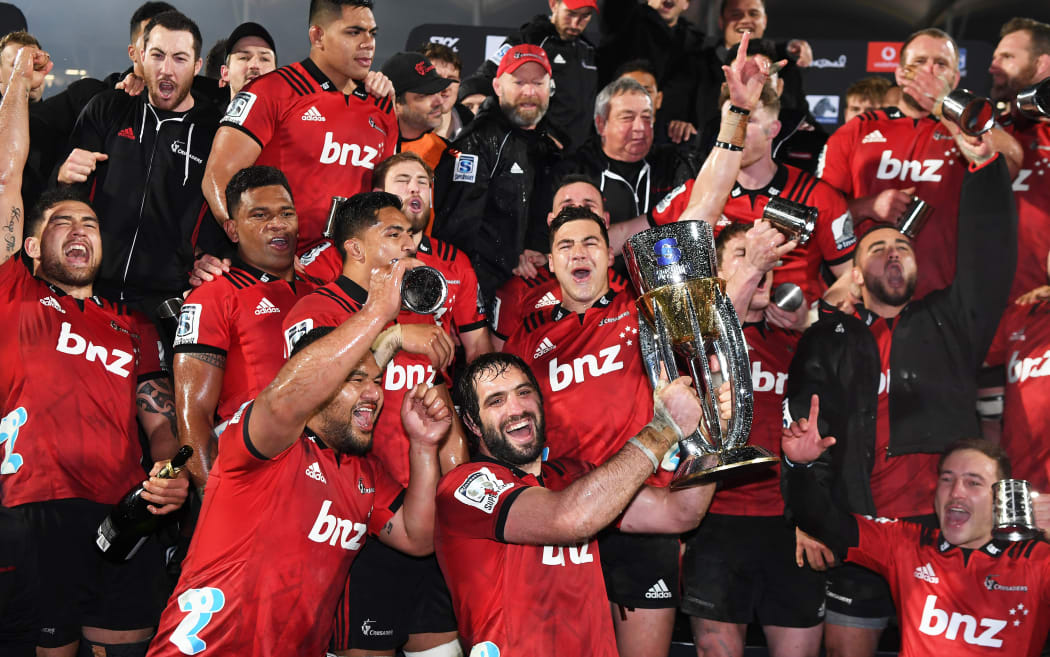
558	59
52	302
547	300
266	307
873	137
516	168
544	347
314	472
313	114
926	574
127	133
658	591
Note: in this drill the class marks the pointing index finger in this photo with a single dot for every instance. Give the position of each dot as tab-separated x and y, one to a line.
814	409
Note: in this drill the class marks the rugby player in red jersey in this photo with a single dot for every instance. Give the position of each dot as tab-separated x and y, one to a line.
958	589
294	493
888	155
325	121
78	372
227	348
515	534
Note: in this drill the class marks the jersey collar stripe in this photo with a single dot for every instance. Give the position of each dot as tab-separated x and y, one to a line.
296	86
314	72
345	304
298	75
352	290
239	280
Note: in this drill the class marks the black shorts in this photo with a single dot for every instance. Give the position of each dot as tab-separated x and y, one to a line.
858	597
640	570
390	595
77	586
739	569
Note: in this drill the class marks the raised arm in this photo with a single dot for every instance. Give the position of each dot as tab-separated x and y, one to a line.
310	378
540	516
231	151
14	149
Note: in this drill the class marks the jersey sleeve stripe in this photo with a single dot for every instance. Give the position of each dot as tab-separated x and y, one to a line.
296	85
557	466
150	376
474	326
501	519
398	502
226	124
809	184
304	81
247	439
199	349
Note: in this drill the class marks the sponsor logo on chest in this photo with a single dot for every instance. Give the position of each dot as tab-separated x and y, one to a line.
336	152
116	361
891	168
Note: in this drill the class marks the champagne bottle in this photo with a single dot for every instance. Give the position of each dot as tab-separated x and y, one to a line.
130	523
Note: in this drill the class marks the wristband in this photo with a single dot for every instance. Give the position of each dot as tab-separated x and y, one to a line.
648	452
729	147
386	345
739	110
791	464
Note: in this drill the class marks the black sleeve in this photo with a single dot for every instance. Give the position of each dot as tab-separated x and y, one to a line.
459	205
89	133
813	511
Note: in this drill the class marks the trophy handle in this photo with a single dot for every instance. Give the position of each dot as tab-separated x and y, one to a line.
732	354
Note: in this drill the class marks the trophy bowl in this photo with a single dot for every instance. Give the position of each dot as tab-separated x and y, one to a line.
1013	514
795	220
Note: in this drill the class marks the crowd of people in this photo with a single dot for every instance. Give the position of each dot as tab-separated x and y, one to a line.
208	250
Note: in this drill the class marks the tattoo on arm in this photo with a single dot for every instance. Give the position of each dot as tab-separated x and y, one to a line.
9	229
218	360
389	528
156	397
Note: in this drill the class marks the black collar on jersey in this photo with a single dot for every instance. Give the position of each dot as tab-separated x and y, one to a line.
425	246
775	187
259	274
559	312
761	326
518	472
57	291
870	317
352	289
308	432
318	76
993	548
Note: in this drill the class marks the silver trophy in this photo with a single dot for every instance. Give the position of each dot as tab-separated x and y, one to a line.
685	316
974	115
795	220
329	226
1012	510
1034	101
423	290
914	217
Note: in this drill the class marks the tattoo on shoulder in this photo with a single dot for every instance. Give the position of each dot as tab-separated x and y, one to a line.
155	396
218	360
389	528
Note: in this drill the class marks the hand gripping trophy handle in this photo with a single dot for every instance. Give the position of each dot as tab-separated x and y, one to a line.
685	317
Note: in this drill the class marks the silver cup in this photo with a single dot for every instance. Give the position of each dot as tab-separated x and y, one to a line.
1034	101
788	296
1013	511
423	290
329	225
795	220
685	316
973	114
914	217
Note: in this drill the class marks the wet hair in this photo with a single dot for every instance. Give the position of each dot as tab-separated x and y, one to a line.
145	12
49	199
176	22
986	447
358	213
252	178
325	11
576	213
489	365
768	99
1038	31
379	174
21	37
735	229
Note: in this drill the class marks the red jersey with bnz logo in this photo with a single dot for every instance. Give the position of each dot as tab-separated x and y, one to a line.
770	350
955	601
517	600
70	374
520	296
883	149
462	313
238	316
331	305
1032	194
1022	343
273	546
327	143
596	393
831	244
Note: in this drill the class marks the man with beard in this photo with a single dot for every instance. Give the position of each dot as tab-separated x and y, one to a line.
408	603
141	158
225	346
293	495
887	156
515	532
419	103
896	376
250	53
1022	58
78	372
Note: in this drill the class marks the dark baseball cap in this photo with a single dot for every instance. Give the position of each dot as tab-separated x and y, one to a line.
249	29
412	72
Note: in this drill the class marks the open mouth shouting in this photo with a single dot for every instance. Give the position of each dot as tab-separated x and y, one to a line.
364	416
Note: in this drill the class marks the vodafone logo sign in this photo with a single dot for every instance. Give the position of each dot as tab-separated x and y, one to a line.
883	56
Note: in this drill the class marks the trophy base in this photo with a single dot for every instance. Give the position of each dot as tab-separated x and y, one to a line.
1016	533
709	468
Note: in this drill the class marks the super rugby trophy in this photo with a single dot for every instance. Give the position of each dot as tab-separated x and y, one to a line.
685	316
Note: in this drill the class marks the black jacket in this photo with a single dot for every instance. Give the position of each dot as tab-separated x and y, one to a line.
575	76
485	186
148	193
939	343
